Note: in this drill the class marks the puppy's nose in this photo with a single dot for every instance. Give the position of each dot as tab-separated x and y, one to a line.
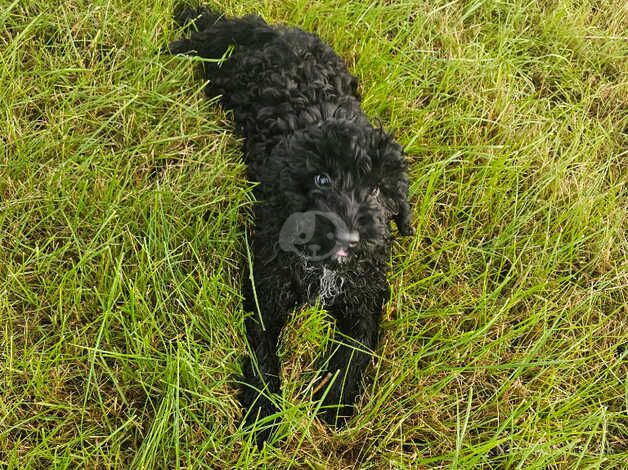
351	239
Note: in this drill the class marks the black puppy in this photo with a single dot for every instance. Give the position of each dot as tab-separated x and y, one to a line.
330	183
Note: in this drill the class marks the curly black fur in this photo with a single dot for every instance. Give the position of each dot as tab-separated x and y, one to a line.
313	151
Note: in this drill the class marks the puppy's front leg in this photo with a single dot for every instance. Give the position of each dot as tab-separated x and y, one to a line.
357	331
268	313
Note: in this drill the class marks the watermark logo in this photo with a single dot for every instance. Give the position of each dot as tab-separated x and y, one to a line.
312	235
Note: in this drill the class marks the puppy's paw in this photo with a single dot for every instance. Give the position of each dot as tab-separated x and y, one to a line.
332	410
263	431
335	415
181	46
406	230
261	420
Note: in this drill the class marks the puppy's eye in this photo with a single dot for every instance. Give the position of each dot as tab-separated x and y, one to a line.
322	180
364	220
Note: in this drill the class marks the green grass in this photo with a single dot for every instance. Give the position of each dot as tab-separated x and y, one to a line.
123	202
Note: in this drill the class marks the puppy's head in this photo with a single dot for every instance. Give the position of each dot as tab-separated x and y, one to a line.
341	184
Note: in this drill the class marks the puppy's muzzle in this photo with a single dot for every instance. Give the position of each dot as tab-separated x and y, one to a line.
348	238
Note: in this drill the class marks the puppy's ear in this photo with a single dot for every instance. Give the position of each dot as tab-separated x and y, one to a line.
393	176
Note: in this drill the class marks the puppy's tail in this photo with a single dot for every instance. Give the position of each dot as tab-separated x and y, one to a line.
212	33
198	19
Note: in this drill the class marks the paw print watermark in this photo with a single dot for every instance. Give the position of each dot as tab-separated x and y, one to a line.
298	232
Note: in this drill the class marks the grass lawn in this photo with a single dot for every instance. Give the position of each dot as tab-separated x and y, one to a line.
123	204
